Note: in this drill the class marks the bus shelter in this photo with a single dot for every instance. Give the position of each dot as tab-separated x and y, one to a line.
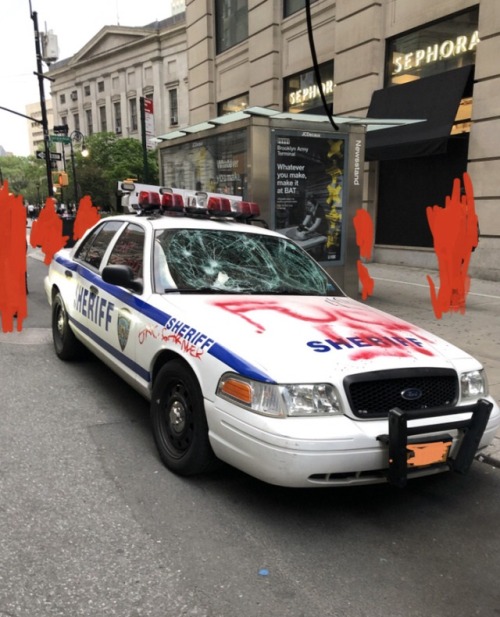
305	173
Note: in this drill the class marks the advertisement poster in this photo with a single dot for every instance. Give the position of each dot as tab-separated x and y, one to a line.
308	191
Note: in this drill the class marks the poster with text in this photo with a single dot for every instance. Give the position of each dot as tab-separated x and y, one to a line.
308	195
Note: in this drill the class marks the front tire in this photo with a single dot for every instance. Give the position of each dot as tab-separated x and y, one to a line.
66	345
179	422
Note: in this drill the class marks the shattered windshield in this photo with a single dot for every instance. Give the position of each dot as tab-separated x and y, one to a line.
221	261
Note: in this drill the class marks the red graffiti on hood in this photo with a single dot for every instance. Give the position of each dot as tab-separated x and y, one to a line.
382	333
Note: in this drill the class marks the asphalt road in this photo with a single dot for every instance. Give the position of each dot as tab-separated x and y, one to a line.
92	524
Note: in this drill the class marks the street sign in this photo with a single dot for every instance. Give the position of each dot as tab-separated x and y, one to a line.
62	139
54	156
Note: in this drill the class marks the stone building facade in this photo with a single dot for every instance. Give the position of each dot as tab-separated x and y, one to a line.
99	88
432	59
269	64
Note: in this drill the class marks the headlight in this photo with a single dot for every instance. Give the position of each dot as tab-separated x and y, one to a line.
473	385
280	400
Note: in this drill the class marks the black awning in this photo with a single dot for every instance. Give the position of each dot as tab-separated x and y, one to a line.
434	98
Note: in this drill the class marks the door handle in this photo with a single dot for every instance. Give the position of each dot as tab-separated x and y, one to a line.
68	274
94	290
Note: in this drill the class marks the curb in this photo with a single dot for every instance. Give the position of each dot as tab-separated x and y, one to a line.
488	459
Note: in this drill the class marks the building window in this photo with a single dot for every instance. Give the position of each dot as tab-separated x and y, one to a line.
115	83
118	117
301	94
238	103
102	119
88	119
133	114
62	99
292	6
231	21
100	86
74	95
64	120
174	109
86	90
76	121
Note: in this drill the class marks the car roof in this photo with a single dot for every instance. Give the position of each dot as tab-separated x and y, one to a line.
192	222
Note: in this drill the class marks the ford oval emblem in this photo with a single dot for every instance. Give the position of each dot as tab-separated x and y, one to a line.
411	394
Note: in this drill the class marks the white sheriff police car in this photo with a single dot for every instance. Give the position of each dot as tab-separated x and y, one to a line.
250	354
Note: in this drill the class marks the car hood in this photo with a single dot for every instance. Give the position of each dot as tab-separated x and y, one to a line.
291	339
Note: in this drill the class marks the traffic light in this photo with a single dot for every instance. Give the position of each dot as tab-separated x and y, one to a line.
59	178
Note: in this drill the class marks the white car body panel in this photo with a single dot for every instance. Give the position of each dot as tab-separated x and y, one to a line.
275	339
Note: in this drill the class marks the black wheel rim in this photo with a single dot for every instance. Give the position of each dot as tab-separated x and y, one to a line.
59	324
59	320
176	422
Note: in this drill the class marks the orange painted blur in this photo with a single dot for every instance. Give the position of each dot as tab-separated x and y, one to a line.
86	216
427	453
46	231
455	232
363	225
12	260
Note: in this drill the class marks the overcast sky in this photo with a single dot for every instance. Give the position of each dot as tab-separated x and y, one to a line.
74	22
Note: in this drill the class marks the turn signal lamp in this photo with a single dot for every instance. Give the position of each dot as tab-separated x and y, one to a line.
238	390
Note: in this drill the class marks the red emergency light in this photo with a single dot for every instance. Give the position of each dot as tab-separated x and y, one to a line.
248	210
172	202
148	200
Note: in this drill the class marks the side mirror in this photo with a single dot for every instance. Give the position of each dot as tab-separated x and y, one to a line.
123	276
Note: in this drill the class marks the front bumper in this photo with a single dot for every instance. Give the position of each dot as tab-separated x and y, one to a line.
340	451
402	448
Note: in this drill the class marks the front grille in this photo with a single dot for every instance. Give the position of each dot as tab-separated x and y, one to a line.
372	395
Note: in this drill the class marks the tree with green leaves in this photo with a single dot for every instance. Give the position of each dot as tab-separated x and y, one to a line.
111	159
27	176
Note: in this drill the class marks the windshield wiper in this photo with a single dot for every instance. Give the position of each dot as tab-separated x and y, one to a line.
200	290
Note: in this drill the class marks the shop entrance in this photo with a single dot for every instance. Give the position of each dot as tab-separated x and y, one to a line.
408	186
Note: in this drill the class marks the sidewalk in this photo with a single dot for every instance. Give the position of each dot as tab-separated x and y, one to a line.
404	292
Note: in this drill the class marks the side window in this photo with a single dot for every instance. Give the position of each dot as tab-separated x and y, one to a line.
92	249
129	250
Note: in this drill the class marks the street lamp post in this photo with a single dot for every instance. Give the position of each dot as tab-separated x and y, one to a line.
76	136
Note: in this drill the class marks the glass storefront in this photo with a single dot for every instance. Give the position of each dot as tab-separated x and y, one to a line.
424	61
216	164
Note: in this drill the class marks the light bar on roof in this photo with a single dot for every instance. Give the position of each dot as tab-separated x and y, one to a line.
149	200
172	202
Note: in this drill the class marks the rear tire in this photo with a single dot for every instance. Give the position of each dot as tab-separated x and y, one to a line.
66	345
179	422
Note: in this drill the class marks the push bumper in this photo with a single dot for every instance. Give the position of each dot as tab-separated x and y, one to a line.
407	453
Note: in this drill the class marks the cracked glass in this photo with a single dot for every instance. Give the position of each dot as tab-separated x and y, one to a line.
220	261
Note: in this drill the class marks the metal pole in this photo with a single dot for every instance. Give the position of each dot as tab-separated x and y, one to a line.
144	146
73	167
45	126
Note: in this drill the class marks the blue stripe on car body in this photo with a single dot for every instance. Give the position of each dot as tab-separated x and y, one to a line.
221	353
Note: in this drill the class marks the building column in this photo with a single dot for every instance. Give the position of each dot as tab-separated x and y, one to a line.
484	148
